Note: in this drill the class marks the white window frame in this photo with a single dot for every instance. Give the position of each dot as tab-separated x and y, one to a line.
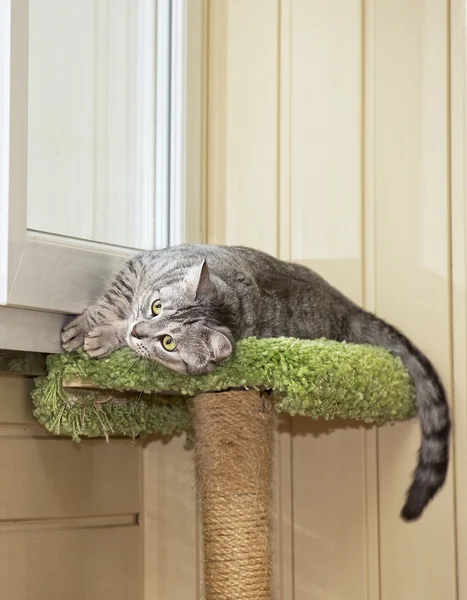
177	170
171	122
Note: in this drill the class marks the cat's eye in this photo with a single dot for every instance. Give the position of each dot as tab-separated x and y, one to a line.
168	343
156	307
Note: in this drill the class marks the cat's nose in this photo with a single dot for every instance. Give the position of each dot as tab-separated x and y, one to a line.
134	333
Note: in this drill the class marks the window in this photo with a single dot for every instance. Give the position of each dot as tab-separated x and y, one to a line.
96	156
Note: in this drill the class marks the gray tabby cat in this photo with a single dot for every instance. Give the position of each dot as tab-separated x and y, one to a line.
186	306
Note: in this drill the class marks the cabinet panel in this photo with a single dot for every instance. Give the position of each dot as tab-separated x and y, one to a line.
89	564
172	566
49	478
15	400
68	512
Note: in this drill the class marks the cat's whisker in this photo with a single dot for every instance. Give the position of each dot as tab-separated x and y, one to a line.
145	366
132	364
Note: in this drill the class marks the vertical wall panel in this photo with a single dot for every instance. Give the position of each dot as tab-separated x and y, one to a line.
329	464
243	135
372	563
284	570
412	270
243	184
328	510
326	138
458	133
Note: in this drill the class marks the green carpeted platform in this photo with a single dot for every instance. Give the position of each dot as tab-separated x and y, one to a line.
318	378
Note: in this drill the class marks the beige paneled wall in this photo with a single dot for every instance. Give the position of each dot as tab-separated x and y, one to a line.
329	144
335	137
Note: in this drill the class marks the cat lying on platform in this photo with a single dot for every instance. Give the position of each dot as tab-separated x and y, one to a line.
186	306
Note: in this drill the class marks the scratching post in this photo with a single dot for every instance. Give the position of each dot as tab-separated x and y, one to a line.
233	452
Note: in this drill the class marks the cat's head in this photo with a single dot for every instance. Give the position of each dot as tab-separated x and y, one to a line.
184	326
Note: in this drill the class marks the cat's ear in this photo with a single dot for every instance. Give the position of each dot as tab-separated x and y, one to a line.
221	345
199	281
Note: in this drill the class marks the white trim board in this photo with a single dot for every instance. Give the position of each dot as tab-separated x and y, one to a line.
30	330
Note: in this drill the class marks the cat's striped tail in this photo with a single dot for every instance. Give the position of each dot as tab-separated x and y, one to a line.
432	408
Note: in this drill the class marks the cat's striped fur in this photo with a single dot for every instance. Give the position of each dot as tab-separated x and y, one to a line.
212	296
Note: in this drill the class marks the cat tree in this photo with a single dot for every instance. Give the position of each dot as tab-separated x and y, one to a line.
229	416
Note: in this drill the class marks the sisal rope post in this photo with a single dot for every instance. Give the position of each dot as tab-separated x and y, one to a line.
233	453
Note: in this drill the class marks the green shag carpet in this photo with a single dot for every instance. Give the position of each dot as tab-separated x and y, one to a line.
318	378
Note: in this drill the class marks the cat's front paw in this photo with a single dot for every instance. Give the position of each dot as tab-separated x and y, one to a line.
103	340
74	332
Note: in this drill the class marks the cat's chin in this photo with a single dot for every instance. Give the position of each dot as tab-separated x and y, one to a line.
200	370
180	368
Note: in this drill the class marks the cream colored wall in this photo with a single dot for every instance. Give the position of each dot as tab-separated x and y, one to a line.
329	144
69	514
